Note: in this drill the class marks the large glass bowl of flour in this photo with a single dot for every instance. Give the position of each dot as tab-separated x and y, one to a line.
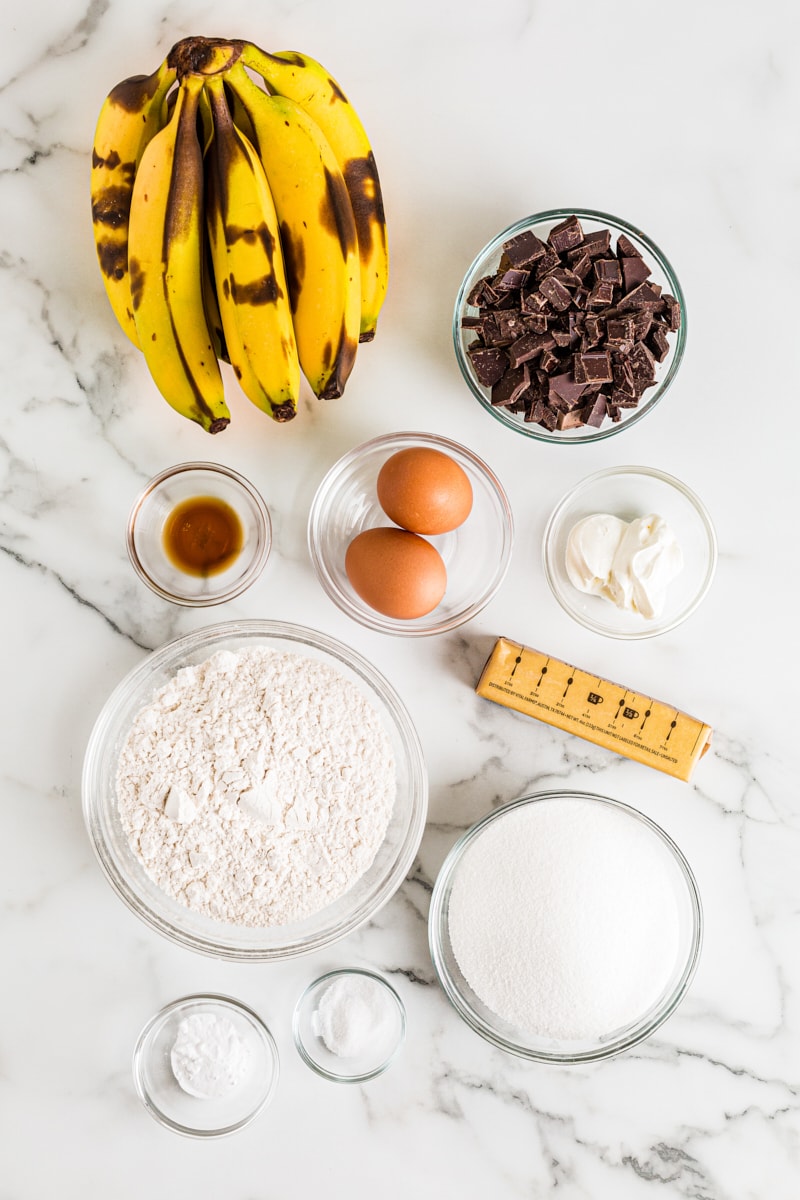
565	927
207	897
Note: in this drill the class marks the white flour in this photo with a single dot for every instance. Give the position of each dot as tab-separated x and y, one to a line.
563	918
256	787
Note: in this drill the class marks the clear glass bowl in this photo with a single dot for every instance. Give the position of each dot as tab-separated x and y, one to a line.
180	924
149	514
378	1052
164	1098
476	554
608	1043
487	262
629	492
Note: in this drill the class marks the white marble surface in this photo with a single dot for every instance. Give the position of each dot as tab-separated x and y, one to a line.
682	118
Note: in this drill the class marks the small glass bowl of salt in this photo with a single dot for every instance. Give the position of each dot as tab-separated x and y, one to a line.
348	1025
205	1066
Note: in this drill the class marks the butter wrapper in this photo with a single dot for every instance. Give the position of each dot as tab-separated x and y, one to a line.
613	716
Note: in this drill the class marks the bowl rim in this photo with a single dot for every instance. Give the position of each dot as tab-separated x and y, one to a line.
437	920
310	1061
377	622
223	1001
569	437
205	639
697	504
263	520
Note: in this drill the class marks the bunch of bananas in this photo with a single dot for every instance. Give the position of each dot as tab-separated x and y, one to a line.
239	222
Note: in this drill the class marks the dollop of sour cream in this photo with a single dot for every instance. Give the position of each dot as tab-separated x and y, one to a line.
631	563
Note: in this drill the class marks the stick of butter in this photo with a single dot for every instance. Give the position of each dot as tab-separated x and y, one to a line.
594	708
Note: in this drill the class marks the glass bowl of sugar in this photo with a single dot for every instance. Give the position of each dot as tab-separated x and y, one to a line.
565	927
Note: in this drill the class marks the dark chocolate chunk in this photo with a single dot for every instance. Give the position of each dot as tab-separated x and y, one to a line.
623	377
549	418
566	387
568	278
595	413
528	346
626	248
566	236
524	249
623	400
658	342
606	270
619	334
644	295
507	389
593	367
582	266
492	335
634	271
642	321
643	366
511	280
601	295
535	322
535	410
549	361
562	338
472	323
533	302
554	291
572	419
673	311
594	244
549	262
509	324
592	332
489	364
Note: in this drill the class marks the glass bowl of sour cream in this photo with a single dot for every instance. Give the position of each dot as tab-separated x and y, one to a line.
629	552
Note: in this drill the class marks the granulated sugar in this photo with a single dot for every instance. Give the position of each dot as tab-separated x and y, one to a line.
256	787
563	918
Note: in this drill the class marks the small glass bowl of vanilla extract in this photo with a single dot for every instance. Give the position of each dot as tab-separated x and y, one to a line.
199	534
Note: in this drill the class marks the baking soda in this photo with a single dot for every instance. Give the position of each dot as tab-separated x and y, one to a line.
208	1057
564	920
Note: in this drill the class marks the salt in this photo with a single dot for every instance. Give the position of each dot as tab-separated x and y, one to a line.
563	918
352	1015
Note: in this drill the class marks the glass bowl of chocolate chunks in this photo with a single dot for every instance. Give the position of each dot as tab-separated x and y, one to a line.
570	326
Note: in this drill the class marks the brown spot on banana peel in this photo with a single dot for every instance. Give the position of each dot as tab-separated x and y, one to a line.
113	258
363	185
112	207
294	261
260	291
336	213
134	94
137	282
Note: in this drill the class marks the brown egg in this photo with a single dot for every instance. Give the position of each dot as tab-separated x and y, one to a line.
395	572
424	490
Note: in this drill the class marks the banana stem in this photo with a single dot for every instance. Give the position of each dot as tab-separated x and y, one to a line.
203	56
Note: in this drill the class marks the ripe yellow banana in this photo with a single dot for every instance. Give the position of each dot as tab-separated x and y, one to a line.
248	267
131	115
166	247
306	81
318	233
